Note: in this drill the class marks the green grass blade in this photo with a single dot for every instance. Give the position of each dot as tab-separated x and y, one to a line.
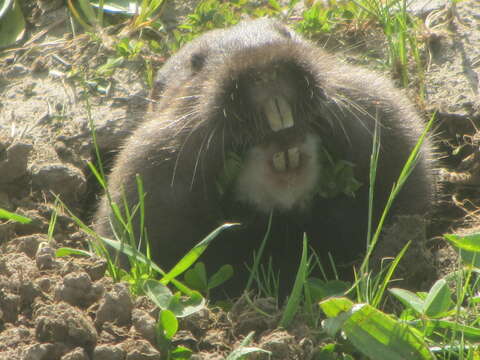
256	264
88	11
243	349
53	222
131	252
296	294
469	332
402	178
194	254
77	16
373	176
380	290
5	214
65	251
141	197
6	7
100	12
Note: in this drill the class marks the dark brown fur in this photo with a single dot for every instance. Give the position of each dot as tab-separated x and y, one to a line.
211	95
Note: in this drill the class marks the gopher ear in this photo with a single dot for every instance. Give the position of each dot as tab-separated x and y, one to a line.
197	61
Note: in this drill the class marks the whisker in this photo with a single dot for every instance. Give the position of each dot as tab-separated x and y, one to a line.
182	147
197	161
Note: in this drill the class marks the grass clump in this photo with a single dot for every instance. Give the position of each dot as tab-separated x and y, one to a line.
91	14
399	27
400	30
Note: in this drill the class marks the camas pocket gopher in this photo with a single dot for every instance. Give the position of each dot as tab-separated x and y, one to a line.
252	120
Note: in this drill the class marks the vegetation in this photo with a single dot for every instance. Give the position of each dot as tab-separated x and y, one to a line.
441	323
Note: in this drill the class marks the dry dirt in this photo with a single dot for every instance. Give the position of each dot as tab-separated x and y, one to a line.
66	308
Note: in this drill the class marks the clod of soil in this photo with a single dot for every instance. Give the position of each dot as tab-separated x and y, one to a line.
65	324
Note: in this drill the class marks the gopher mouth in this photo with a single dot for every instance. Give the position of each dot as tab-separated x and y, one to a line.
279	117
282	172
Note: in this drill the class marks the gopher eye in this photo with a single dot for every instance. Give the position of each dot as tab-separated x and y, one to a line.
197	61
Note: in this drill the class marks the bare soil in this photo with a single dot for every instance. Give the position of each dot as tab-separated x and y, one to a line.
66	307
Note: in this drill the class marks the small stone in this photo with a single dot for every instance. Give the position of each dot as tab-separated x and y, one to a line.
27	244
63	323
44	284
282	344
39	352
28	292
18	267
185	338
19	69
108	352
76	354
37	225
77	289
96	268
9	306
13	163
140	350
116	306
38	65
66	181
144	324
